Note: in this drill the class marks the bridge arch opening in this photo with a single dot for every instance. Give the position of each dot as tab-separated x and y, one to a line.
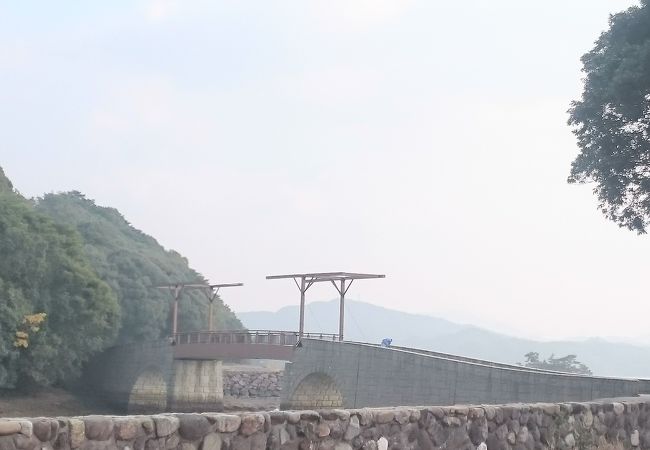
316	390
149	393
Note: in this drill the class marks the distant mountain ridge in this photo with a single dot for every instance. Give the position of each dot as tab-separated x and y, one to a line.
370	323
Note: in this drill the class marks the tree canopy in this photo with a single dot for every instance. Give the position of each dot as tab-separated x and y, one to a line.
612	120
76	278
568	363
43	270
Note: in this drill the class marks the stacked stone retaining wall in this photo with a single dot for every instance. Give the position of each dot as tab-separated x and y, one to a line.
243	384
540	426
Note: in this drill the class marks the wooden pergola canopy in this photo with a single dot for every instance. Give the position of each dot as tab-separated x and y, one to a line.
344	279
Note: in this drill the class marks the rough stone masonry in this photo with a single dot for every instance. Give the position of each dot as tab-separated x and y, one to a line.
238	383
539	426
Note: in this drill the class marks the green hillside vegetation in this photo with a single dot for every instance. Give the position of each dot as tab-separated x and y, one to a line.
43	270
93	277
133	263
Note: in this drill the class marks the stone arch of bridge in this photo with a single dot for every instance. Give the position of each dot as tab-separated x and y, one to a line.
316	390
149	393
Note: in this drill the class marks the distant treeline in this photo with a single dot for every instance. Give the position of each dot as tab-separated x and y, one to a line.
76	278
568	363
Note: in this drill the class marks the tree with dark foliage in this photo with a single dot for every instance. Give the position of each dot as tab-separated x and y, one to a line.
612	120
44	273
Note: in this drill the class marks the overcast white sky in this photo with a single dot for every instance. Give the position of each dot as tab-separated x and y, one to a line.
423	139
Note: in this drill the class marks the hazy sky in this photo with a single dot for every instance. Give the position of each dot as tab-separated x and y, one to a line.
422	139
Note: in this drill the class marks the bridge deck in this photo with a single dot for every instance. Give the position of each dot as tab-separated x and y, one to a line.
241	344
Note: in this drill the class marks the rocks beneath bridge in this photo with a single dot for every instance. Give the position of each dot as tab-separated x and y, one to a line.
255	383
563	426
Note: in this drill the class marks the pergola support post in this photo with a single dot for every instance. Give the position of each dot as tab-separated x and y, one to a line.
177	289
177	293
211	292
341	310
211	315
301	329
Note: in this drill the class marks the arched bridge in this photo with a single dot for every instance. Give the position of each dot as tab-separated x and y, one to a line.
326	373
354	375
184	372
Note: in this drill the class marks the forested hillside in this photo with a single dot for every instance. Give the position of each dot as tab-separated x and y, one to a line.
93	276
43	270
133	263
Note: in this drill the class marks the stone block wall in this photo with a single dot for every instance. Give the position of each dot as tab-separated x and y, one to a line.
539	426
242	384
197	385
149	393
644	386
317	391
127	375
145	378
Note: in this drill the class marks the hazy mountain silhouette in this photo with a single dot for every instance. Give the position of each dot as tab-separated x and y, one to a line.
370	323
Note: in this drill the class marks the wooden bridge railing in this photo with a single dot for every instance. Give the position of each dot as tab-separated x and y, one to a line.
268	337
